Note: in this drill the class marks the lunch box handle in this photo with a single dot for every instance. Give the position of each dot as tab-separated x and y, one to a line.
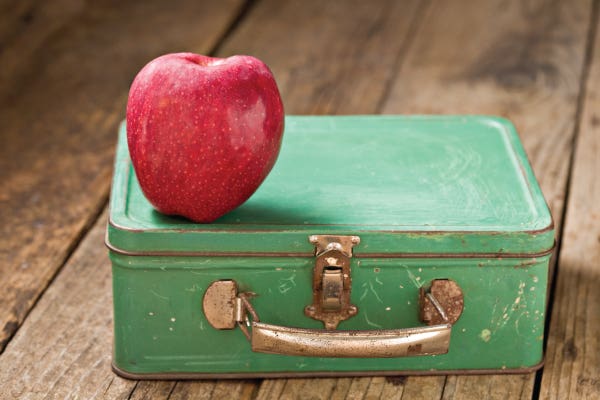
440	306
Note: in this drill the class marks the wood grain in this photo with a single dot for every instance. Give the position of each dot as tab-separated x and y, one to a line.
217	390
328	57
25	25
496	387
59	130
572	369
64	349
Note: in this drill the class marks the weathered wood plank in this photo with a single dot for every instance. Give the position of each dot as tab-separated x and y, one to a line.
357	389
216	390
271	389
498	387
24	27
572	369
430	387
296	388
520	60
58	130
63	351
159	390
328	57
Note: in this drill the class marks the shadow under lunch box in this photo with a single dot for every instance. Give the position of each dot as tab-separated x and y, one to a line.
377	245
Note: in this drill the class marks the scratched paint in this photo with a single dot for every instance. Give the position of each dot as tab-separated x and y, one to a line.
485	335
510	288
159	296
369	322
412	277
287	284
389	292
371	287
517	311
192	289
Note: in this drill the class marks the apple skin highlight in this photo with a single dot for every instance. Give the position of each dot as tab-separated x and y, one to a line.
203	133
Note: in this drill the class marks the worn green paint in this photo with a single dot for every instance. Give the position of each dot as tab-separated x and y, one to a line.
160	327
405	185
386	177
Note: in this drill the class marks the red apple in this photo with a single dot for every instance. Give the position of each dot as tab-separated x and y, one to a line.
203	132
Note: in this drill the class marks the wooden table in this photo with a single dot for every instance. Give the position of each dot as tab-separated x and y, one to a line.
65	71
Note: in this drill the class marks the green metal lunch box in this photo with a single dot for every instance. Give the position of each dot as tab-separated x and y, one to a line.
377	245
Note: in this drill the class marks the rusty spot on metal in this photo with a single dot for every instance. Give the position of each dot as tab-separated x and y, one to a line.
449	296
219	304
414	349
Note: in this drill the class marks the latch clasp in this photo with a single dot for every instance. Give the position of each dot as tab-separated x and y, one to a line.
332	282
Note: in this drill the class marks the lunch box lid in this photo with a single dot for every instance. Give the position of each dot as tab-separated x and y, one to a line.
408	186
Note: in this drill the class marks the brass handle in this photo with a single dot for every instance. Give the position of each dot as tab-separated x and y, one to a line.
428	340
225	308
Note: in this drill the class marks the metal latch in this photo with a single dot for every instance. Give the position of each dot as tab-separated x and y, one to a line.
332	282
